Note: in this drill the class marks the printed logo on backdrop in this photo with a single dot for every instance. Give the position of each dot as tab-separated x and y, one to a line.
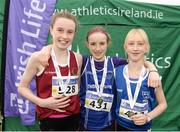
22	105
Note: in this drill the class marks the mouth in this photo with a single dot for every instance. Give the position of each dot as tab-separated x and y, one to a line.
64	42
98	54
135	54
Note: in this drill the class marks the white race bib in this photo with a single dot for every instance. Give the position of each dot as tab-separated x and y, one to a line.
125	110
69	89
94	102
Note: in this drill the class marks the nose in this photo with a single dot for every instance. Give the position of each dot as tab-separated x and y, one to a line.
64	35
97	47
135	47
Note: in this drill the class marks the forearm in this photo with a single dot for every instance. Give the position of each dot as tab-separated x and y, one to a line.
28	94
162	104
157	110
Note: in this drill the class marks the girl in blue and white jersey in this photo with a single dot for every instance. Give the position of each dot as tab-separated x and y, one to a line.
135	100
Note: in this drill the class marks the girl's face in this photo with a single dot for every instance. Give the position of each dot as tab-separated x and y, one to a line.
135	48
63	32
97	44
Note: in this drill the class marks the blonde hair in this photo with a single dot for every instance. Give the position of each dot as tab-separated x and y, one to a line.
64	14
99	29
140	32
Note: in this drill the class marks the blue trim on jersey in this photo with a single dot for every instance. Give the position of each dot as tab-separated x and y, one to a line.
95	120
146	94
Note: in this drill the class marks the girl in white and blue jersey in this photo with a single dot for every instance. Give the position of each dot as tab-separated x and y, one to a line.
97	81
135	100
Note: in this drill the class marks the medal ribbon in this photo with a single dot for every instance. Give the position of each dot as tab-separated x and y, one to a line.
58	73
132	100
100	87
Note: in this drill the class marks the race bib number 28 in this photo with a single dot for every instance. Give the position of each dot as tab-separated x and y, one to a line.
69	89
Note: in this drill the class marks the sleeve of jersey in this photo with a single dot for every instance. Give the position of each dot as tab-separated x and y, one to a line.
119	61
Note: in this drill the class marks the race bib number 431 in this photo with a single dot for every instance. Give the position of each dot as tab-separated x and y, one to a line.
94	102
67	88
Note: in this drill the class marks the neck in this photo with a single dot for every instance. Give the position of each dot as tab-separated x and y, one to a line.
134	66
134	69
99	60
61	55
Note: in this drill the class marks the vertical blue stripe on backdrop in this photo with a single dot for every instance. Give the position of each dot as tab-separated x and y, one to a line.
28	29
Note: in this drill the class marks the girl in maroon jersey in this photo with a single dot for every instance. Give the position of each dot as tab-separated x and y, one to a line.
57	84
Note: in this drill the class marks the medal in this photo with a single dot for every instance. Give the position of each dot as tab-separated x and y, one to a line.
99	87
100	101
130	113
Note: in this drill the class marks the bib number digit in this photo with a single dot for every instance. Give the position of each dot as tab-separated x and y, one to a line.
98	105
70	89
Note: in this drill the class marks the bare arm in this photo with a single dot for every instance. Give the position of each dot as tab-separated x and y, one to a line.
30	71
162	104
32	68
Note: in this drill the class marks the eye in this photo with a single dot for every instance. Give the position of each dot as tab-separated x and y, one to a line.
140	43
102	43
130	43
92	43
70	31
60	30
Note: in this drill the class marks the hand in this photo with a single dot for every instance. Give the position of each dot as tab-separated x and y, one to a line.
139	119
45	55
55	103
154	80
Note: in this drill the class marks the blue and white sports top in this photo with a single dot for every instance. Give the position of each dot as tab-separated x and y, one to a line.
145	100
96	111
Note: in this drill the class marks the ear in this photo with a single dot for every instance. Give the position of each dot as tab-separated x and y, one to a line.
146	51
125	47
87	44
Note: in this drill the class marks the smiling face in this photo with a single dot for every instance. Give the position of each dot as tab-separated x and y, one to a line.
136	45
63	32
98	41
97	44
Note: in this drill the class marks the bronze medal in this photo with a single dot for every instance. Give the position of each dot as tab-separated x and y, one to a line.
130	113
100	101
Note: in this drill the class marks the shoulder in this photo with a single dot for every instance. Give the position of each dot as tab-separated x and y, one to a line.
34	57
34	62
120	68
79	58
